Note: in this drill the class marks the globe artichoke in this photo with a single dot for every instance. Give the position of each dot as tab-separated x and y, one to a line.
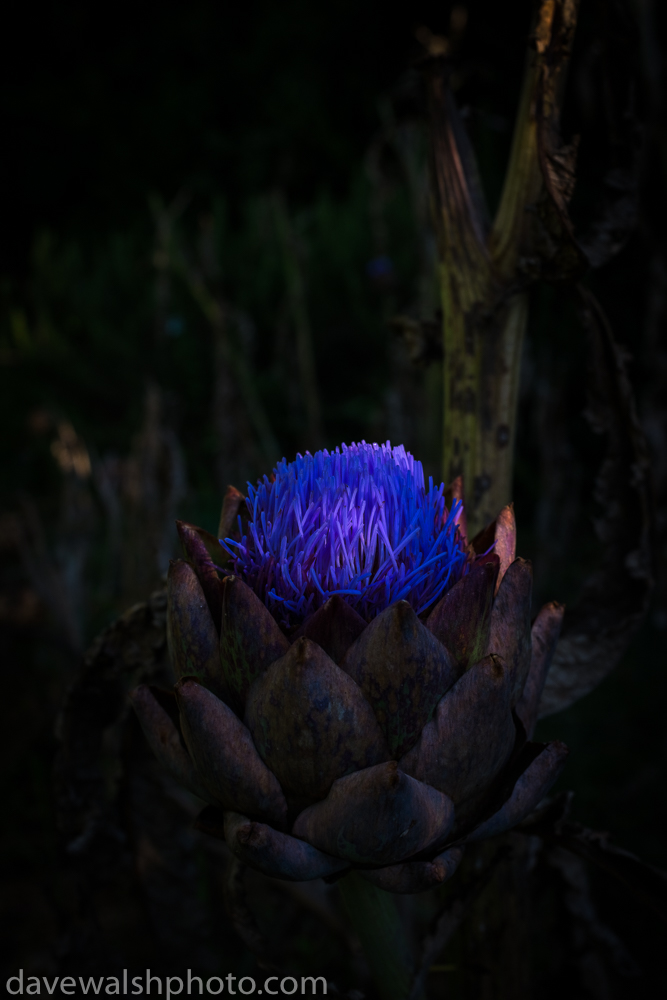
358	687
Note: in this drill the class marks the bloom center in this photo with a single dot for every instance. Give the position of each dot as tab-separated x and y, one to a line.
357	522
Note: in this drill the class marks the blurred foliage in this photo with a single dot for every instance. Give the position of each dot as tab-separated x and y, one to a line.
144	159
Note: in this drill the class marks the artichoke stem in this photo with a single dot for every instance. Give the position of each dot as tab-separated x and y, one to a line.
376	920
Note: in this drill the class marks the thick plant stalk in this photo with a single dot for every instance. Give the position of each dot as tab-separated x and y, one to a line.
376	920
496	428
484	270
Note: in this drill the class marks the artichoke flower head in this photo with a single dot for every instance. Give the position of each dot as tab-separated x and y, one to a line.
358	687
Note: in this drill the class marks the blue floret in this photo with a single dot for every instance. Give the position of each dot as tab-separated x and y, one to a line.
357	522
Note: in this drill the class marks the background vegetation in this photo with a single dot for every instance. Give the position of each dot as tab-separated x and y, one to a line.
211	213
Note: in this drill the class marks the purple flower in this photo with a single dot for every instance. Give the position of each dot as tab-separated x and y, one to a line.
380	745
358	522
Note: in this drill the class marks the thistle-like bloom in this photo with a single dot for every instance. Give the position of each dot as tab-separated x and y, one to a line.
358	523
387	723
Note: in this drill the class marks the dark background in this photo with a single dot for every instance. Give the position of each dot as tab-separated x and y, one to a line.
111	392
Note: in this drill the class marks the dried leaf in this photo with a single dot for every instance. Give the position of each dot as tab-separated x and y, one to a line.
614	600
563	255
645	882
579	902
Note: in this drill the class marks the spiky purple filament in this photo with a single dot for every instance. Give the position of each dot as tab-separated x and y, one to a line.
357	522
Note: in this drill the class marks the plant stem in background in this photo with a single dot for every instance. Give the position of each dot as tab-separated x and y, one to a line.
296	294
484	271
220	316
